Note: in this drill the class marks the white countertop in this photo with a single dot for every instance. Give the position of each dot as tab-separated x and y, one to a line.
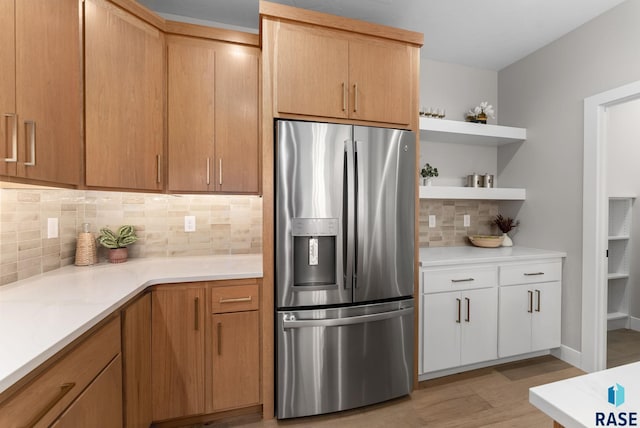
445	256
574	402
39	316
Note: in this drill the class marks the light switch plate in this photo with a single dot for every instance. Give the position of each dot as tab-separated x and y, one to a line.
467	220
432	220
52	227
189	223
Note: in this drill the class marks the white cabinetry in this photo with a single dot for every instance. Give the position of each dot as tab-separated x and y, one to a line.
488	306
618	253
466	332
457	132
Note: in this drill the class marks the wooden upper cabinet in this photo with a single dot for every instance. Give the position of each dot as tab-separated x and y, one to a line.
213	142
124	99
331	73
380	84
191	114
312	72
40	90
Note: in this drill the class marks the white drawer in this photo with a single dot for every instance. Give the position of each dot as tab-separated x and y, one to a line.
530	273
460	278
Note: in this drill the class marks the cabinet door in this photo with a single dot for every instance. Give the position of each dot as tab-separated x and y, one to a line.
191	114
177	340
514	328
479	340
8	118
236	133
124	87
48	90
311	71
136	352
100	405
380	81
545	326
236	360
441	342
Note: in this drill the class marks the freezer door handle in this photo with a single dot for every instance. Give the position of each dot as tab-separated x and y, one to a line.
349	213
336	322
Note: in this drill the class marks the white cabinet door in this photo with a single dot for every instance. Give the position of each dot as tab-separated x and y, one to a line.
479	341
545	326
514	328
441	330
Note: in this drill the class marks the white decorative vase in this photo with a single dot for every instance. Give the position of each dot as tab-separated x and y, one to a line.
507	242
428	181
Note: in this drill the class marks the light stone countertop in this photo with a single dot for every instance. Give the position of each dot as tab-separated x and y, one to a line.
41	315
574	402
447	256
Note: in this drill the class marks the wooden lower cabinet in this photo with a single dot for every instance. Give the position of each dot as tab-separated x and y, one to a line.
205	352
100	405
236	360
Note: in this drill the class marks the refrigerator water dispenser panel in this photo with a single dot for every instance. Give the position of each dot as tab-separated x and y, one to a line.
314	251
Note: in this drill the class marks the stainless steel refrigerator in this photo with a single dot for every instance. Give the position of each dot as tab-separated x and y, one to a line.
344	246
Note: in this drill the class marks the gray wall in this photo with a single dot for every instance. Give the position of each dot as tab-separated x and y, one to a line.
544	92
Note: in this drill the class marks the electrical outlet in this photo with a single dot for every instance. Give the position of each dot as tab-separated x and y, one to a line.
189	223
52	227
467	220
432	220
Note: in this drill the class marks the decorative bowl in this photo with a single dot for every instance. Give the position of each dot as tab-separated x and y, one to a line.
486	241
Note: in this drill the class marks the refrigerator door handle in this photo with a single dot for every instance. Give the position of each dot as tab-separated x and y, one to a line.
349	214
335	322
356	197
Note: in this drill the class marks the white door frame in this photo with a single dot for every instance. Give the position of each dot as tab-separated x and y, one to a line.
595	213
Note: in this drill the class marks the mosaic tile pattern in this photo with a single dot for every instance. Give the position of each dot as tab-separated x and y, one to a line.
450	230
224	225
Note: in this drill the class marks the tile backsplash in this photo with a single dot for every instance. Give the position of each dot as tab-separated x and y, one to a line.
224	225
450	230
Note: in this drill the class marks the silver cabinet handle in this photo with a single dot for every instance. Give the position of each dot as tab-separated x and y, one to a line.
468	318
459	311
344	97
538	300
337	322
30	139
530	301
533	273
208	171
158	169
14	137
220	171
236	299
355	97
463	280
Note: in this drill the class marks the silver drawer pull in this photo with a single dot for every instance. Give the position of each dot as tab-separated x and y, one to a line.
533	273
463	280
236	299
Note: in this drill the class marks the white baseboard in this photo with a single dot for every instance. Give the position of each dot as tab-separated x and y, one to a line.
618	323
634	323
568	355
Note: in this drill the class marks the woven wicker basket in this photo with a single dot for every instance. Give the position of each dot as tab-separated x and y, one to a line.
86	253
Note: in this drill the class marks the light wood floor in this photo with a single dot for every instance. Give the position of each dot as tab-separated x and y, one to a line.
623	347
496	396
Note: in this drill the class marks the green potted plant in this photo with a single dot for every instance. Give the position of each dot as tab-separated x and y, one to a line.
117	242
428	173
506	224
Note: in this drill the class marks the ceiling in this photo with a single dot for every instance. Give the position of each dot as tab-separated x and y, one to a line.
487	34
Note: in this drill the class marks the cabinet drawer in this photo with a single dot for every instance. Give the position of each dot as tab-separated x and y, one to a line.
42	400
234	298
530	273
461	278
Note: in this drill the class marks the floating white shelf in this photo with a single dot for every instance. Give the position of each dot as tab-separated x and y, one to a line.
617	275
450	192
619	238
453	131
616	316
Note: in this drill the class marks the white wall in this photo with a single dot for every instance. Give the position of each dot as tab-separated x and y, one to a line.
623	178
544	92
456	88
